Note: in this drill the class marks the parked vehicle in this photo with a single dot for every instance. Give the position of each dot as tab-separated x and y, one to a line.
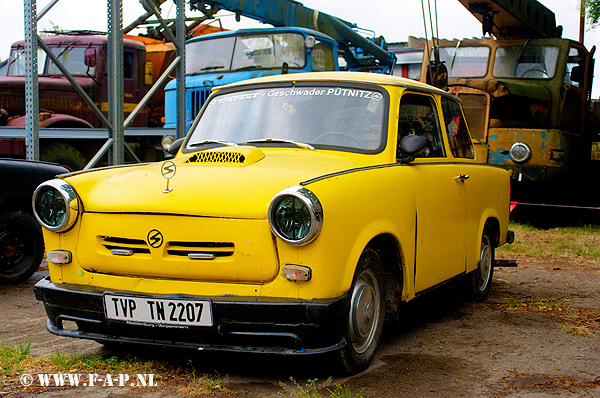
21	241
298	213
526	93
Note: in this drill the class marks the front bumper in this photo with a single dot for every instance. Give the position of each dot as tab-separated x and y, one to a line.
252	324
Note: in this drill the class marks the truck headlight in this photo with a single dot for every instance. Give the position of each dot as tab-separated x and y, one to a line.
296	215
55	205
520	152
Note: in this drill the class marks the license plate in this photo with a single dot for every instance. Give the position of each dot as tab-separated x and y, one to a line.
152	310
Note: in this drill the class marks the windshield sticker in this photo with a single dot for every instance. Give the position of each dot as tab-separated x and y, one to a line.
236	98
336	92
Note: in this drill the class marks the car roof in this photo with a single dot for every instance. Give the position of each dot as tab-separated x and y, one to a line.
342	77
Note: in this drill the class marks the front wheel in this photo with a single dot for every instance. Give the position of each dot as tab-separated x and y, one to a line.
366	314
21	246
480	280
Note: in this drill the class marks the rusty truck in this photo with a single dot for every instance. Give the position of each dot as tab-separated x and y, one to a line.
526	93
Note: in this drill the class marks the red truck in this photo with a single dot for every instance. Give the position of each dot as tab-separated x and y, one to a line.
84	54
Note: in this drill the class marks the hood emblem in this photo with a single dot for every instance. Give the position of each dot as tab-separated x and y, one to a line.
168	170
155	238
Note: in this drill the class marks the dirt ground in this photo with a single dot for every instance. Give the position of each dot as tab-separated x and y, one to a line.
537	335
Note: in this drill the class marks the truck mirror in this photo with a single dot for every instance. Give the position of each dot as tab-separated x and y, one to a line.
90	57
148	73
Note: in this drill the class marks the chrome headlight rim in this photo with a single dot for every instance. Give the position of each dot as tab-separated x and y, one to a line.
315	210
514	152
68	194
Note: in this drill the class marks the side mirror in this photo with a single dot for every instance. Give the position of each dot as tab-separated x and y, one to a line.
90	57
174	147
412	145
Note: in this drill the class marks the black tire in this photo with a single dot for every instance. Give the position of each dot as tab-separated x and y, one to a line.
65	155
21	246
365	315
480	280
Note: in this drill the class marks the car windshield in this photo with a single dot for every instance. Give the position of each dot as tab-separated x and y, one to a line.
526	61
331	117
245	52
465	61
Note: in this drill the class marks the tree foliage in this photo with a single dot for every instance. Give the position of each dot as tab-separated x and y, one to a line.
592	12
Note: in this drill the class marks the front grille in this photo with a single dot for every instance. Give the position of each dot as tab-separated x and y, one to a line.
217	249
135	245
217	157
197	98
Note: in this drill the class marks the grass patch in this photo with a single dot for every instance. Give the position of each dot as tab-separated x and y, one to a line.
13	358
314	389
569	242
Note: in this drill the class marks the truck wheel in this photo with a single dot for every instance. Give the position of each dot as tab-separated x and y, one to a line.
480	280
65	155
366	314
21	246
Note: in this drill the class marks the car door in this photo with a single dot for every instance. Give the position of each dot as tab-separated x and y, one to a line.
440	195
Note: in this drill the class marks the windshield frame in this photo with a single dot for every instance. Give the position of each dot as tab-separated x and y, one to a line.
235	47
385	99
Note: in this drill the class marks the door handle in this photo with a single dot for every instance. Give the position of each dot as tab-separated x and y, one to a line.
462	177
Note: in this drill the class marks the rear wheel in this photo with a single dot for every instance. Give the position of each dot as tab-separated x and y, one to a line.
480	280
65	155
366	314
21	246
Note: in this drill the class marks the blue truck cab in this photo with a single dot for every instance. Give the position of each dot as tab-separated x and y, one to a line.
226	57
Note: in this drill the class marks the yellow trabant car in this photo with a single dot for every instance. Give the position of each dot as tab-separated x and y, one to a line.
298	212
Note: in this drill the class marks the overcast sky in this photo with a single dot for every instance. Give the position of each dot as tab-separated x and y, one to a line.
393	19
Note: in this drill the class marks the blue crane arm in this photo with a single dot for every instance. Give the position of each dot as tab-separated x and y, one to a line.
293	13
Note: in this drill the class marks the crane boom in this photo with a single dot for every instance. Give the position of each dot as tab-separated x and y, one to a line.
511	19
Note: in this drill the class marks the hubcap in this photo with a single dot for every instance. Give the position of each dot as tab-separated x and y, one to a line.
364	311
485	263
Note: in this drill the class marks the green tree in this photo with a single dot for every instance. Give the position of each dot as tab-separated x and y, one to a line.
592	12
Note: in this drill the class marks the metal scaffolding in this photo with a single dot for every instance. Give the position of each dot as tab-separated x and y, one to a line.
115	122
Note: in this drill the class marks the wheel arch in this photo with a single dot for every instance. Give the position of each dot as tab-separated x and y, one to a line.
389	250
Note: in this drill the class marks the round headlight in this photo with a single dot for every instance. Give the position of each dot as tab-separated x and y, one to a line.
55	205
520	152
295	215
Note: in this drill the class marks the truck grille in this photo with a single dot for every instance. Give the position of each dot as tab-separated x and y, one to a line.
196	99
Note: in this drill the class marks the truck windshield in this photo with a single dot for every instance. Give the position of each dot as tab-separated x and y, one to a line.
16	65
327	117
245	52
526	61
465	61
71	57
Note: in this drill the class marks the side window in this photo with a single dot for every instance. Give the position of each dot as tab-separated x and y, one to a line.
418	116
322	57
458	134
575	67
128	65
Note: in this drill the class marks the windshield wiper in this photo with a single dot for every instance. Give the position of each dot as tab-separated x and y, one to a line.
213	67
249	67
222	142
277	140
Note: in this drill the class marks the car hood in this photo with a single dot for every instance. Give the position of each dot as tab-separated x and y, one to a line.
237	182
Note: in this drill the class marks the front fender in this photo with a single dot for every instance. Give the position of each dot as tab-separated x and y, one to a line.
49	120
